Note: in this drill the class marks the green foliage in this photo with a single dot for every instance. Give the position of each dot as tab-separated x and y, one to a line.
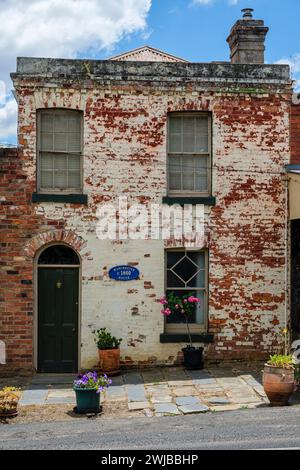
180	303
284	361
297	373
105	340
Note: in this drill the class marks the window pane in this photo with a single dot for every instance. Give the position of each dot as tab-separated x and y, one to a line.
60	162
46	141
74	162
175	163
60	179
74	142
173	257
74	179
46	161
188	134
201	182
200	163
46	179
59	254
60	122
60	142
173	280
175	125
175	143
175	181
74	123
198	258
47	122
201	143
188	181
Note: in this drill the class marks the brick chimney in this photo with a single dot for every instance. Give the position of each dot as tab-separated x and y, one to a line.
247	40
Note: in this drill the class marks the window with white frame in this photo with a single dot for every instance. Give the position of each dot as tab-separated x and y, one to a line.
186	273
59	150
189	154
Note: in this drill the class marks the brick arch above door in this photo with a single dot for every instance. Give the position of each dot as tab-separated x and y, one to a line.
60	236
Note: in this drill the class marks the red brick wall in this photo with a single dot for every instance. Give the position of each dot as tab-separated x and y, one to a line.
22	233
295	134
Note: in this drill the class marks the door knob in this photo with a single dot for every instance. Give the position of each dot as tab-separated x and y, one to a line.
73	330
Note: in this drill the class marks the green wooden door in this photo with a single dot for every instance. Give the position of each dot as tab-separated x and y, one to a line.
57	319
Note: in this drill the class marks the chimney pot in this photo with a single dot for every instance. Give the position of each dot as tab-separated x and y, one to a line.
247	12
247	40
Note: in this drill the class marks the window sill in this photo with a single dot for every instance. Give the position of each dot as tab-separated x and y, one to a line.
72	198
181	200
184	338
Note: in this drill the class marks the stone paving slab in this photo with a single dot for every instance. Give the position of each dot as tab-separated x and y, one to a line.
184	391
191	400
60	401
162	399
196	408
138	405
33	397
166	409
218	400
136	392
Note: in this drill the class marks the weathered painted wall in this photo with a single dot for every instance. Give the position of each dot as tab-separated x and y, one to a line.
125	154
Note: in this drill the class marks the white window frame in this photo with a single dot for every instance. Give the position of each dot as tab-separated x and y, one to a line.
68	190
180	328
177	192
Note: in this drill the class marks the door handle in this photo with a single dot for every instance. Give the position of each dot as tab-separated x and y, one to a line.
73	330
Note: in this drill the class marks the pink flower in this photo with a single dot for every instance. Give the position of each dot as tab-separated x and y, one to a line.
176	306
185	301
163	301
193	299
166	311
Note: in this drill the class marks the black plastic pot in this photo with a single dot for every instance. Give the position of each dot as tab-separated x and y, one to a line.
192	358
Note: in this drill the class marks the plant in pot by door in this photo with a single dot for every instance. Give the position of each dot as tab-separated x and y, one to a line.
9	397
87	388
279	379
185	305
109	352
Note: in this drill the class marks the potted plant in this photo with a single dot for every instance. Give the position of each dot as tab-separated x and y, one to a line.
192	356
279	379
87	388
9	397
109	352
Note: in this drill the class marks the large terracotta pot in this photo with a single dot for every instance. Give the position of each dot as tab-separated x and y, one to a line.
109	361
279	384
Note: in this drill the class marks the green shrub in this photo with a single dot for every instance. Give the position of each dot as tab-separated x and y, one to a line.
105	340
284	361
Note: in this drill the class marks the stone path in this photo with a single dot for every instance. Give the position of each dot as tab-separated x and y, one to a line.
160	392
163	391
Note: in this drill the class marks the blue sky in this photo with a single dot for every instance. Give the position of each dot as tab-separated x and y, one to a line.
193	29
198	32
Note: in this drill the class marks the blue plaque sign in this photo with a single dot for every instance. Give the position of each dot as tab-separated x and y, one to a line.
124	273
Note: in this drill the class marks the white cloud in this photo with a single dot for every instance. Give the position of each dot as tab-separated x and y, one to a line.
210	2
56	28
294	63
203	2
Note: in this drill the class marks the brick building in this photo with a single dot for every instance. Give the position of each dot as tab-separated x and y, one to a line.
156	129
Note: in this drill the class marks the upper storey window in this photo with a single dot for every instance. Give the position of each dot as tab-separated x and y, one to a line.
59	150
189	154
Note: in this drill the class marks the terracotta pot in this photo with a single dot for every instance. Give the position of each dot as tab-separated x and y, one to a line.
279	384
109	361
